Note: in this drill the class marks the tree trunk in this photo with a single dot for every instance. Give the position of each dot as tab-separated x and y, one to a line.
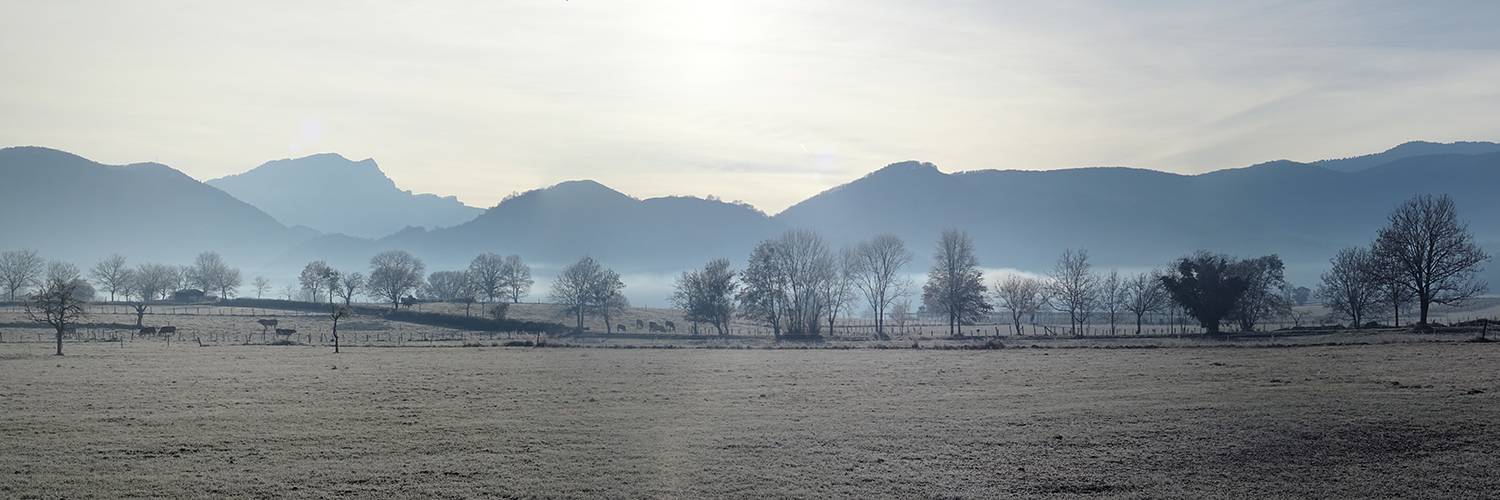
1425	304
60	329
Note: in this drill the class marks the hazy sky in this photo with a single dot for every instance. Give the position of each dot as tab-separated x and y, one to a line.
767	102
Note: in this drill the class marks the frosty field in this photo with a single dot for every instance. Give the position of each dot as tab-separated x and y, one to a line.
144	419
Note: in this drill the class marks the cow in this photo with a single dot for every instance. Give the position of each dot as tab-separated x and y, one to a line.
620	327
148	330
266	323
669	326
656	327
286	332
640	325
167	330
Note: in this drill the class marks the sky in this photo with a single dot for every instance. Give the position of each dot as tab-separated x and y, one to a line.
765	102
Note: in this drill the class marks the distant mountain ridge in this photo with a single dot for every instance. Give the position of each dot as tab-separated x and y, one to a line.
333	194
68	207
1126	217
1139	218
1407	150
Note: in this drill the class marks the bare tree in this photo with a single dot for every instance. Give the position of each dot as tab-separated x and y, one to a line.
1145	295
56	302
261	286
901	314
1074	289
331	279
1264	278
516	278
763	297
181	279
1393	295
573	286
783	281
1351	286
210	273
446	286
352	284
955	285
19	270
707	295
808	265
1021	296
149	282
610	301
878	275
586	286
112	274
314	277
838	290
335	313
487	272
1431	253
393	274
1112	296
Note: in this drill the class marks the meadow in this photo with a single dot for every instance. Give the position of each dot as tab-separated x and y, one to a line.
144	419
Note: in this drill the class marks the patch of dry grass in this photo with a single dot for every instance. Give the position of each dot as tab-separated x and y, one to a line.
144	420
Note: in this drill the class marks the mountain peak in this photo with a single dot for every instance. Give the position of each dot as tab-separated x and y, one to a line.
41	154
1407	150
584	187
909	167
333	194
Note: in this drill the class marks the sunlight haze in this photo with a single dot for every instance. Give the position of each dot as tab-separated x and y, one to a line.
766	102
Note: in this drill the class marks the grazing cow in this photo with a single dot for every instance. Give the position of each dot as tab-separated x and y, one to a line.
266	323
640	325
287	332
620	327
148	330
656	327
669	325
167	330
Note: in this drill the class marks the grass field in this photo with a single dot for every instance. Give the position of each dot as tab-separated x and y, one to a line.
183	421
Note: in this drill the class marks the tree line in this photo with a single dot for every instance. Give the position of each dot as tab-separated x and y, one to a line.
1424	255
796	283
798	286
396	277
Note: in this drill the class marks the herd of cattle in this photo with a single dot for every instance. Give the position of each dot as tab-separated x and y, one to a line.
158	330
650	326
269	324
264	323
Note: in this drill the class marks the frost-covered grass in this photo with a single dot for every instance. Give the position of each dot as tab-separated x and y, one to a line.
144	419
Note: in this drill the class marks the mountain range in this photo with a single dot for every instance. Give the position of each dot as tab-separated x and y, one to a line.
332	194
287	212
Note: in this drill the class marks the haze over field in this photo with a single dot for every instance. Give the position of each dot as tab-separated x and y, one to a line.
1131	219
